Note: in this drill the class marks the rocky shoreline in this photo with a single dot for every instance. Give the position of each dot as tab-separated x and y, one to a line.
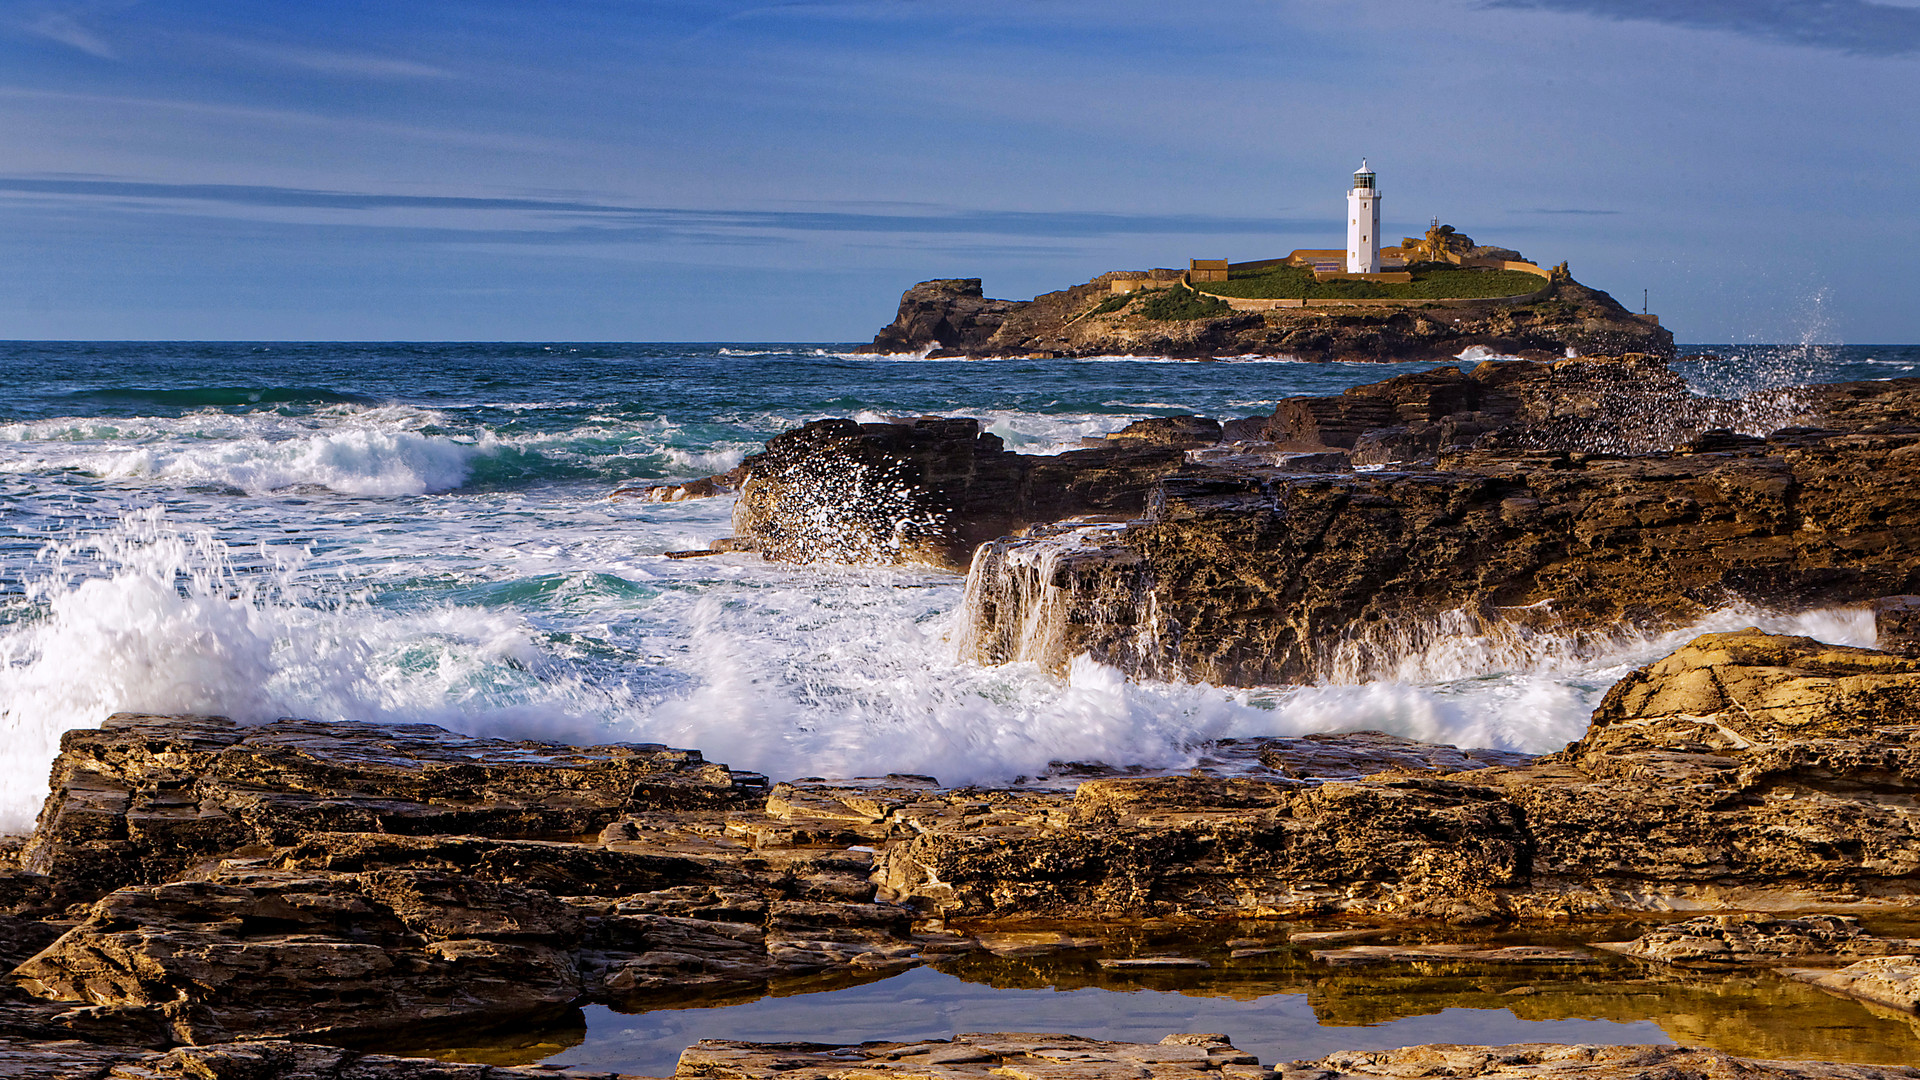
194	882
207	899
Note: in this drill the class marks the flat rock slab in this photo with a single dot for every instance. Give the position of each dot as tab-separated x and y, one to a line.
1149	963
1754	939
1357	955
1334	937
264	1059
1017	1055
1549	1061
1884	980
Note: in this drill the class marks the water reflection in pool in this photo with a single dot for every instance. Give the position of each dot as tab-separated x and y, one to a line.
1280	1006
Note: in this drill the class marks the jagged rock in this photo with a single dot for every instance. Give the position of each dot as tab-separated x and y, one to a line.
705	487
1896	623
954	318
1753	939
952	313
1250	576
1627	404
935	489
1182	432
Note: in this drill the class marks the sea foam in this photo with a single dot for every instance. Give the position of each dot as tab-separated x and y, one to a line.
793	671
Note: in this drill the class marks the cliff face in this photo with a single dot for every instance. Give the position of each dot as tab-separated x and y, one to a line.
954	318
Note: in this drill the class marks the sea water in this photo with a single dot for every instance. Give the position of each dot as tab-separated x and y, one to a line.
416	532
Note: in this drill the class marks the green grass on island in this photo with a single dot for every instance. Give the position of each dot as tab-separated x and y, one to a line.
1429	283
1181	302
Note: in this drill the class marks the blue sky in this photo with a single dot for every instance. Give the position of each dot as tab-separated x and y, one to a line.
687	170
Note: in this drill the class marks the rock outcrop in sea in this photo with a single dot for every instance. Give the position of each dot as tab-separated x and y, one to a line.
1522	503
953	317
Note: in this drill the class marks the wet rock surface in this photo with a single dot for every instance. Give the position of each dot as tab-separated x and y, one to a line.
1520	503
1883	980
1585	1062
195	881
932	489
953	317
1756	939
1031	1056
1793	788
1019	1055
285	880
1244	574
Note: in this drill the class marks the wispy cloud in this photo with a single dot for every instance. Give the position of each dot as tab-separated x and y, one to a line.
573	216
65	29
1852	26
326	62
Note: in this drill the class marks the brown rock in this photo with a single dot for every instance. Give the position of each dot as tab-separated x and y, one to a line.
935	489
1020	1055
1896	620
1884	980
1752	939
1547	1061
1363	955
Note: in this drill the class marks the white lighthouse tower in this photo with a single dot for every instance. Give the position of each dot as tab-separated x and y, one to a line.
1363	223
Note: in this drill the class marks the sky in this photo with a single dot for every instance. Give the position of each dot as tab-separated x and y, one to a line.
685	170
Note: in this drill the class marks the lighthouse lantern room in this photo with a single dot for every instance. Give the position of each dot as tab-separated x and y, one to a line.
1363	223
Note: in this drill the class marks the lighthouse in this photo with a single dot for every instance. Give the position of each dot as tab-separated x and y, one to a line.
1363	223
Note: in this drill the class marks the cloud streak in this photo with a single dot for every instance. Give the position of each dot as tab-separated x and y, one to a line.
573	215
1851	26
347	64
67	31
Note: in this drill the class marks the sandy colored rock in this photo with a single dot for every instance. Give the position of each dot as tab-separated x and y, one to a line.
1362	955
1023	1055
1548	1061
1754	939
1884	980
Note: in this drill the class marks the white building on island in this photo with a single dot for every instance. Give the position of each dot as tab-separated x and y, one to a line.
1363	223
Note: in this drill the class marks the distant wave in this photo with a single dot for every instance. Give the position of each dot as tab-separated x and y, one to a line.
218	397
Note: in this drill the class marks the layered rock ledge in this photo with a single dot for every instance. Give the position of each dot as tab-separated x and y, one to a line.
973	1056
195	881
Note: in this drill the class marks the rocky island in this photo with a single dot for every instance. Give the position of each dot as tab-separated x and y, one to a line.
1451	296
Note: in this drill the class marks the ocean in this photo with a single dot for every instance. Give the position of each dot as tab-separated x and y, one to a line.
424	532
